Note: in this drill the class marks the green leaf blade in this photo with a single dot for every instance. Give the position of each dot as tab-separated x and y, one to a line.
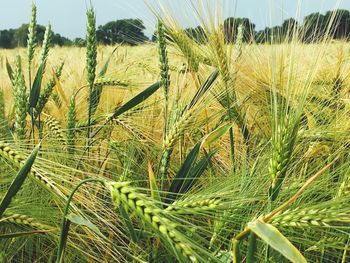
142	96
18	181
78	220
35	91
274	238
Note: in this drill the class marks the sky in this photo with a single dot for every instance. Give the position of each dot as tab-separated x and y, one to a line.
67	17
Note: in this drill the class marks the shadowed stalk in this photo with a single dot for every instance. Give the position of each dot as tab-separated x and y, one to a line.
4	127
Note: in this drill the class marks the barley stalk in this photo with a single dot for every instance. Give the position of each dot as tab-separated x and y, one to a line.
3	120
186	46
123	194
191	204
71	126
31	43
46	93
17	160
230	98
20	97
46	46
170	140
91	60
283	144
104	81
56	130
164	72
315	216
23	220
178	129
344	189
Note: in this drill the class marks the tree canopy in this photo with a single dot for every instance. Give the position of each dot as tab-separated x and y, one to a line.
315	27
12	38
128	31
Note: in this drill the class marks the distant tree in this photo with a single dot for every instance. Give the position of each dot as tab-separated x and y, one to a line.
197	34
6	38
339	23
289	26
129	31
314	27
79	42
18	37
59	40
270	35
231	25
21	35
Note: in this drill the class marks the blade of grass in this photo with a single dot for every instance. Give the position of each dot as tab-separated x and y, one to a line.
18	181
275	239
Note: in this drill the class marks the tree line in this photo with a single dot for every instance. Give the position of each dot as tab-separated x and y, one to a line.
314	27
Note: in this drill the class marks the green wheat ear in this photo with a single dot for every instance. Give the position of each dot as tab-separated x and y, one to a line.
46	46
163	59
47	92
71	125
283	144
164	72
32	38
91	59
20	103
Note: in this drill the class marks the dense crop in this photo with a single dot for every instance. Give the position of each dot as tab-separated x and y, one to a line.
175	151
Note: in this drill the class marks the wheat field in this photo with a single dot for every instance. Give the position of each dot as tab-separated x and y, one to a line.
175	151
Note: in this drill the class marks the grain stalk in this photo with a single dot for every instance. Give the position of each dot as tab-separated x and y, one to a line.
230	100
105	81
4	127
47	91
20	97
33	100
170	140
11	155
45	47
189	205
55	129
23	220
71	125
32	42
91	62
283	141
164	72
123	194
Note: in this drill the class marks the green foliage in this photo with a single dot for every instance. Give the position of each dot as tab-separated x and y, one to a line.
253	164
126	31
12	38
18	181
275	239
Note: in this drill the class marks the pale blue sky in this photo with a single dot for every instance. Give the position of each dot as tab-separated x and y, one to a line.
68	16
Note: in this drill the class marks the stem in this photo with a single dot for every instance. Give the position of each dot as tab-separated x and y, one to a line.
89	119
232	149
251	248
65	224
